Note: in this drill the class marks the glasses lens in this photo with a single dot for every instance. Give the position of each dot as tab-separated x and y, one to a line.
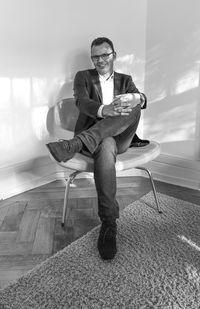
104	57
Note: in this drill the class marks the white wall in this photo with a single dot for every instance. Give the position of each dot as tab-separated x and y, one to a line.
42	45
172	84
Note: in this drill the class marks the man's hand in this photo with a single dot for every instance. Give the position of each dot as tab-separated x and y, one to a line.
108	110
126	101
112	111
121	105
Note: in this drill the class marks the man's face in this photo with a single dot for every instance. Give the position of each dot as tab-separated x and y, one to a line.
103	64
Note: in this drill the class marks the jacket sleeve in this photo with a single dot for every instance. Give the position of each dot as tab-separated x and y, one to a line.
84	103
131	88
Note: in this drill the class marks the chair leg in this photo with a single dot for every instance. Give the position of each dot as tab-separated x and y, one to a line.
66	208
153	186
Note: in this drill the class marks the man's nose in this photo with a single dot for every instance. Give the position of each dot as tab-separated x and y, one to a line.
100	59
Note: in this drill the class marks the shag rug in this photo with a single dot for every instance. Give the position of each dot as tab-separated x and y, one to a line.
157	265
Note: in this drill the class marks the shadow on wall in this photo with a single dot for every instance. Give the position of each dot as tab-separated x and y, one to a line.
172	80
173	116
79	61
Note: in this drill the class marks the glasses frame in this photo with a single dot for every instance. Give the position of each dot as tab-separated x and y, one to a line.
105	57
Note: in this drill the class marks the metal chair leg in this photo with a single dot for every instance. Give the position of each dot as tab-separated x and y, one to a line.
66	207
153	186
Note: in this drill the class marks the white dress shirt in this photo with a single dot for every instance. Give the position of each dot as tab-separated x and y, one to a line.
107	89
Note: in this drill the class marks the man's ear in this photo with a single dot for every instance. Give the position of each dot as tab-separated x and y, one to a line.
114	55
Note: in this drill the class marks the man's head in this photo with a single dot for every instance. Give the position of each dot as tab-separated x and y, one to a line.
103	55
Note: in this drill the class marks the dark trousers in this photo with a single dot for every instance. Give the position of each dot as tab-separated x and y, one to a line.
107	138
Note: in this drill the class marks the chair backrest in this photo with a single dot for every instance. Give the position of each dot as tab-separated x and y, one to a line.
66	114
61	119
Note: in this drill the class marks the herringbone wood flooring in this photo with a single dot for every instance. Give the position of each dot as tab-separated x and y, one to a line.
30	229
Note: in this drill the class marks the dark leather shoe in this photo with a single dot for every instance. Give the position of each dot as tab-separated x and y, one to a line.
138	142
61	151
141	143
107	241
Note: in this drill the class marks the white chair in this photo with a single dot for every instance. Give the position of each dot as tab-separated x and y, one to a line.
63	116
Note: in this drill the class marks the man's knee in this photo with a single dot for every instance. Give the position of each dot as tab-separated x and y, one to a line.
107	146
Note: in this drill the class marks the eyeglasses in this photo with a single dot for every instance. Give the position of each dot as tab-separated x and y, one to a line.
103	56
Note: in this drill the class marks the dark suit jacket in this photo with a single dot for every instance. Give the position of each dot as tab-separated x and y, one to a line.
88	95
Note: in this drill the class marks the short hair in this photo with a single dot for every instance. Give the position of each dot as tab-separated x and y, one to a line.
101	40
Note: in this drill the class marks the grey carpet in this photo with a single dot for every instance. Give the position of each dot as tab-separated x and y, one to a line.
157	265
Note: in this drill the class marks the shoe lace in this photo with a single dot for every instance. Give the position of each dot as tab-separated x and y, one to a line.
65	144
109	231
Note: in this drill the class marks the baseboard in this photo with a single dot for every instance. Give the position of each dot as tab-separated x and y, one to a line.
176	170
24	176
33	173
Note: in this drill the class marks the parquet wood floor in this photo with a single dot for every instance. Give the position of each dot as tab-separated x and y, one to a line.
30	229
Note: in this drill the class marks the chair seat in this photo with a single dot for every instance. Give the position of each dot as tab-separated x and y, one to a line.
133	157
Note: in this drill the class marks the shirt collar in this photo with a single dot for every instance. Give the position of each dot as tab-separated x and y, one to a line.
106	79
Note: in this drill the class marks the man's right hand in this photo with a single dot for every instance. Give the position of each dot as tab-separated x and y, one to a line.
111	111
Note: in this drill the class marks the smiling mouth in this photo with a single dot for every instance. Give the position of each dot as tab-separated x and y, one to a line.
101	66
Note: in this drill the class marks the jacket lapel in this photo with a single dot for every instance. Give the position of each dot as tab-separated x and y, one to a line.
96	83
117	84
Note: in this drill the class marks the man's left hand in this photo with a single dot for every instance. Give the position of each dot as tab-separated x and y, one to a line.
126	101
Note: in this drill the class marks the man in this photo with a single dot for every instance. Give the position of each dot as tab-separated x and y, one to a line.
109	111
